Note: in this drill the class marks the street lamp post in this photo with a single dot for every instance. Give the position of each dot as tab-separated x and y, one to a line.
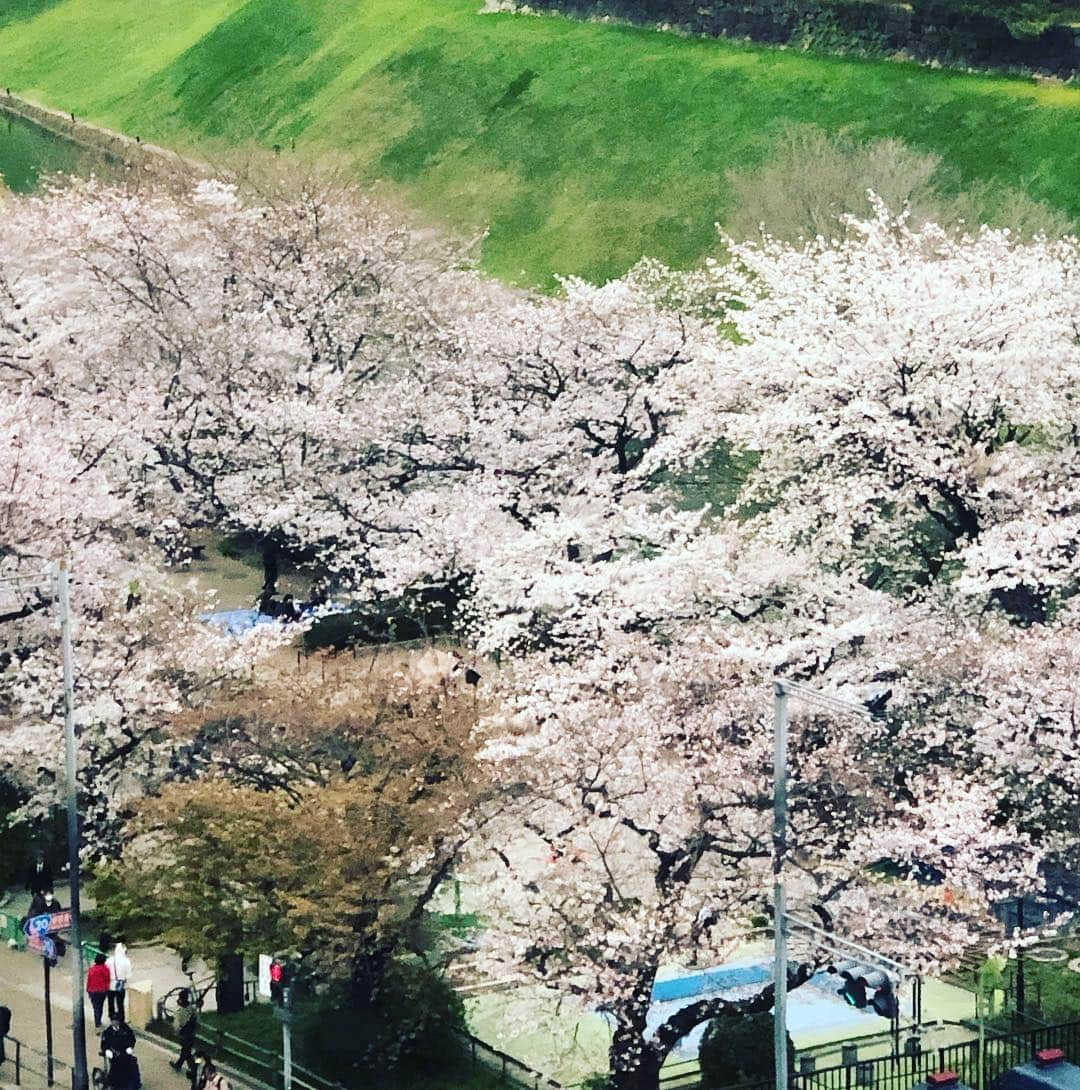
56	582
783	690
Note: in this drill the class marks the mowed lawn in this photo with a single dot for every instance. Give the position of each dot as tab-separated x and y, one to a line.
579	146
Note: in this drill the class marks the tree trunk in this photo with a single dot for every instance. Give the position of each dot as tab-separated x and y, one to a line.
230	984
634	1065
271	566
368	970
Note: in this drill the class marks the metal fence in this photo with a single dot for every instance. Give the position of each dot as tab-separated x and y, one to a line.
23	1061
506	1067
265	1065
1000	1053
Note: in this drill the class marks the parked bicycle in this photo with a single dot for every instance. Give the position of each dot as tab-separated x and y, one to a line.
168	1004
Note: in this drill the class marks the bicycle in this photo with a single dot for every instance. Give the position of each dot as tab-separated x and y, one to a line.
167	1004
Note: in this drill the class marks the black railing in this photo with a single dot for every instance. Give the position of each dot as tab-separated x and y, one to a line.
28	1060
1000	1053
507	1067
226	1047
14	1045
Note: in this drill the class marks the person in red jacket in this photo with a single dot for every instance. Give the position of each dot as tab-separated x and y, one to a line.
98	980
277	981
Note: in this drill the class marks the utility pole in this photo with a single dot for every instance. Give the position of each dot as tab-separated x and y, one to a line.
56	581
286	1036
47	963
79	1075
780	974
1021	996
782	691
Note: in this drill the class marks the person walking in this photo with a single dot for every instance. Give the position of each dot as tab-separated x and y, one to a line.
118	1038
120	972
98	986
187	1022
39	876
5	1028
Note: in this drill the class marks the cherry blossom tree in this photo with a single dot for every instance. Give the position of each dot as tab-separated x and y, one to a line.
902	405
907	535
140	652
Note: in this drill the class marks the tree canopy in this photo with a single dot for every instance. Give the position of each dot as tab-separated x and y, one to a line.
297	363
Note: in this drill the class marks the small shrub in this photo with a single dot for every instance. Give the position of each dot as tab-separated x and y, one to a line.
814	180
740	1049
409	1029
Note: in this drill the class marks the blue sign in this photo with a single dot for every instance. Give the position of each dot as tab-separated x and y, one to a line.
45	945
38	925
39	931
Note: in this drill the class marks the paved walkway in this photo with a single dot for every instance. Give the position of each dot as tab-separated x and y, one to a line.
22	989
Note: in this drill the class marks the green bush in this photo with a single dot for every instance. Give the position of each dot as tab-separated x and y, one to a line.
739	1049
406	1037
410	1030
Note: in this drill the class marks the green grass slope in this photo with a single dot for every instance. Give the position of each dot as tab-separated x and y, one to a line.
582	146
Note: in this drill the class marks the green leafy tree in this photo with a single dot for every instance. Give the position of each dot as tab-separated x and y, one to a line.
306	817
735	1050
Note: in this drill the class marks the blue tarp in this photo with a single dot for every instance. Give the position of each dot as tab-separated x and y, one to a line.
813	1008
236	621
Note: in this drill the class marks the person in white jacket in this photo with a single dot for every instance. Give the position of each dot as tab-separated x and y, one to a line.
119	972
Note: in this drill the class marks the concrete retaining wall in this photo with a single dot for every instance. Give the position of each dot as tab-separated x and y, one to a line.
114	148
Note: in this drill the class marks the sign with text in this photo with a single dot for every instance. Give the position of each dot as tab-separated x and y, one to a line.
43	944
40	929
48	923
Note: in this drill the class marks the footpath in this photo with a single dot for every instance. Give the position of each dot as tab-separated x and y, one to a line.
22	990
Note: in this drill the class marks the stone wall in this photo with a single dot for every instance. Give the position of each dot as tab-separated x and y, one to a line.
116	149
927	30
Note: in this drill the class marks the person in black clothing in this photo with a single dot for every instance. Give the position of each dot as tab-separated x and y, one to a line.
319	597
5	1028
43	904
187	1022
118	1038
124	1072
39	877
